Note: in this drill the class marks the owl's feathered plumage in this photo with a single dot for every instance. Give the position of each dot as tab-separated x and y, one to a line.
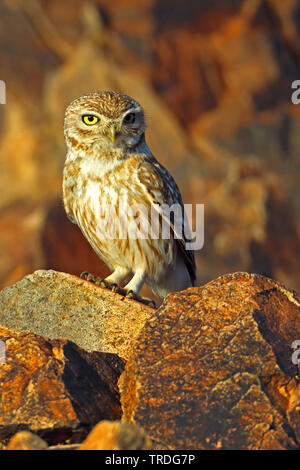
108	160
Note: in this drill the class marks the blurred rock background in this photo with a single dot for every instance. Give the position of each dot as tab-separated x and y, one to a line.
215	79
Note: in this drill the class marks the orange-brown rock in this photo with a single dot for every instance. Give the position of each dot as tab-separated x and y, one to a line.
58	305
213	369
25	440
55	388
114	435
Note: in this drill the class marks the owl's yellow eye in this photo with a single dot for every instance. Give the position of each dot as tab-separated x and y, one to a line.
89	119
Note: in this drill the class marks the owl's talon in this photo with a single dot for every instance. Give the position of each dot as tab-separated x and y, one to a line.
100	282
84	275
108	285
94	279
115	287
132	295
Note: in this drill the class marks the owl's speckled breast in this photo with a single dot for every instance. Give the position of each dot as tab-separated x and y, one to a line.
103	206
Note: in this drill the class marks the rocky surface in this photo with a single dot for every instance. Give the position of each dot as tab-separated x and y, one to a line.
55	388
106	435
58	305
212	369
114	435
66	341
25	440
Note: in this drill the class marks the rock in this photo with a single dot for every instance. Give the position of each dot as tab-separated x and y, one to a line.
114	435
212	368
25	440
54	388
59	305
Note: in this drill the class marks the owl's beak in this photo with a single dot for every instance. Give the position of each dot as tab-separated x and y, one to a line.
112	133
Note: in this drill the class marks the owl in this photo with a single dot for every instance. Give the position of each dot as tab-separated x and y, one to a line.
113	182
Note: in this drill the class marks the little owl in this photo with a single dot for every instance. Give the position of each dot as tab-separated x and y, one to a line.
108	162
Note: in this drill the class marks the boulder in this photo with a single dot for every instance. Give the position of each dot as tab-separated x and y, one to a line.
58	305
213	368
55	388
25	440
66	341
114	435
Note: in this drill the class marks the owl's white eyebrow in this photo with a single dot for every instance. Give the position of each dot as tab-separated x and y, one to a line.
90	113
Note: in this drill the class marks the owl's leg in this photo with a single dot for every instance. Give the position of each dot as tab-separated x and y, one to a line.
136	282
110	282
116	278
131	290
134	286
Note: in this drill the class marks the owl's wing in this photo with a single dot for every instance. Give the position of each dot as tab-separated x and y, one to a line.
71	219
160	188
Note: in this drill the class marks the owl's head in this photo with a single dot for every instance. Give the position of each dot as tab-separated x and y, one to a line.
104	120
